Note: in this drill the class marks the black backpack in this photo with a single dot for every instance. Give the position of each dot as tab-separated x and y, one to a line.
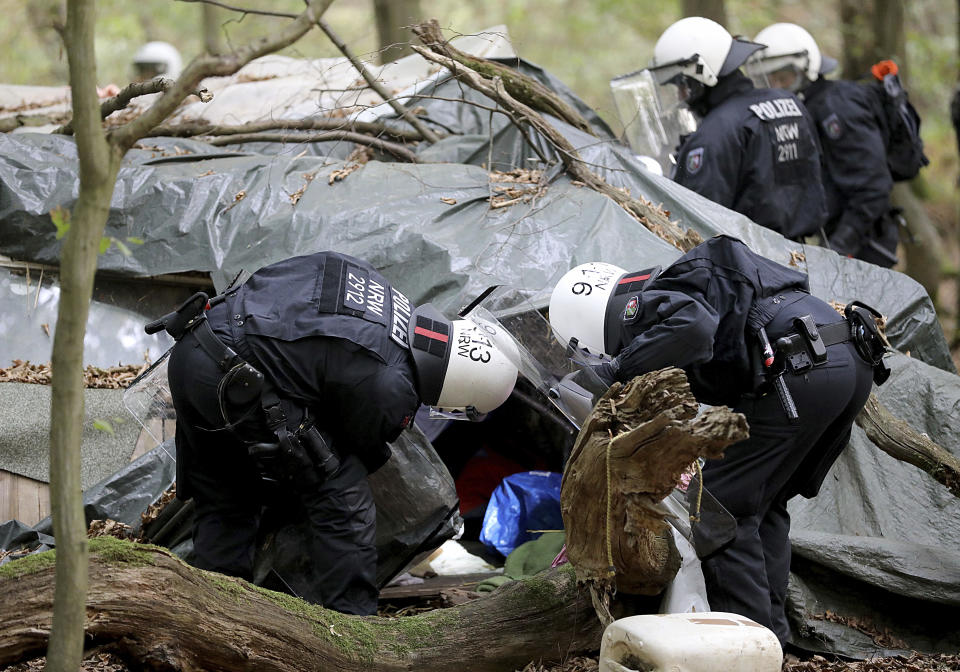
905	155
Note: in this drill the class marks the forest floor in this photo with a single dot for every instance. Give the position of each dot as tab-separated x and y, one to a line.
102	661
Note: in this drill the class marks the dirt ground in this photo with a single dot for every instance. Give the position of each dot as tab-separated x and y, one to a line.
102	661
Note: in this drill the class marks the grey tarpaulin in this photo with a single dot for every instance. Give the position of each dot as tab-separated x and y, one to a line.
430	229
28	320
882	533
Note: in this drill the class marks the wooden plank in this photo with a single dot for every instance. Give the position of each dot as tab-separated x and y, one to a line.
23	498
433	586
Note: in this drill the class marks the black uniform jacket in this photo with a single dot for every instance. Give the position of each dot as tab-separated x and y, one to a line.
701	314
330	334
857	179
756	152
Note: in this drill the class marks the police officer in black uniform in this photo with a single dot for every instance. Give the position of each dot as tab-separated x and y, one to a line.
302	375
750	336
755	150
852	132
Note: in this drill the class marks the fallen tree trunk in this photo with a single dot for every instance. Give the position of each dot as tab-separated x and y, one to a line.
629	455
152	608
899	440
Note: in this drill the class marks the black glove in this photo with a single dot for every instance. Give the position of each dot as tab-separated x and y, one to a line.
844	241
607	372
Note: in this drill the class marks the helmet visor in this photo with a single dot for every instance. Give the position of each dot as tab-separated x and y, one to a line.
562	374
653	115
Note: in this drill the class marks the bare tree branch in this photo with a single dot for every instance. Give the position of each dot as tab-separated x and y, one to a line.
533	92
397	150
209	66
643	211
243	10
131	91
190	129
899	440
400	109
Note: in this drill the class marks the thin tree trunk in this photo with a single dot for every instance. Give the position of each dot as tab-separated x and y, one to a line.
99	162
393	19
212	31
77	267
710	9
858	39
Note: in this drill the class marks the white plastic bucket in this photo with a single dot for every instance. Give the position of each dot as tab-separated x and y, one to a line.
705	642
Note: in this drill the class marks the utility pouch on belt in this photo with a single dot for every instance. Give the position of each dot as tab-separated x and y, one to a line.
867	338
803	349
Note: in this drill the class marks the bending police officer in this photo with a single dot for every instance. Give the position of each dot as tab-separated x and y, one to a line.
303	374
850	124
755	150
711	313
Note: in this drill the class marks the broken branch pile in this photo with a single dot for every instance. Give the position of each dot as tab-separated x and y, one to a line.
113	378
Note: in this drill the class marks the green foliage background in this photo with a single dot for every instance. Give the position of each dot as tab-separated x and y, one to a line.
583	42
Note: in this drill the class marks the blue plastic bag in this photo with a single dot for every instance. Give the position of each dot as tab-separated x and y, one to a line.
528	500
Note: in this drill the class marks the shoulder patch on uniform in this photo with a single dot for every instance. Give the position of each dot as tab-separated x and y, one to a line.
832	126
632	306
694	161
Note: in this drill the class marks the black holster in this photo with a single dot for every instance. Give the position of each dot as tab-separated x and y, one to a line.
867	338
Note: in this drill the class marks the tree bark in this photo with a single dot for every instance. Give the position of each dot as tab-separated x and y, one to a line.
97	171
212	38
858	38
643	211
393	18
710	9
164	615
191	129
922	244
896	438
629	455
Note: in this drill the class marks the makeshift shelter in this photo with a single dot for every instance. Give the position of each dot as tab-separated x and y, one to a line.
880	534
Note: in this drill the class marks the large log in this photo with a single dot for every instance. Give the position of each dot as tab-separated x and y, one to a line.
629	455
153	609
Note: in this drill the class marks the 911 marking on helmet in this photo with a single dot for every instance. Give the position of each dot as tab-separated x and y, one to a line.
769	110
595	278
400	320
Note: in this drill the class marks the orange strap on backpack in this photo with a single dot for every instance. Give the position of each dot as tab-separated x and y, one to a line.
884	68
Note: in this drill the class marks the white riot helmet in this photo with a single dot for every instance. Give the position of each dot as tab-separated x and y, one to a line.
699	49
157	59
788	47
464	368
590	301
